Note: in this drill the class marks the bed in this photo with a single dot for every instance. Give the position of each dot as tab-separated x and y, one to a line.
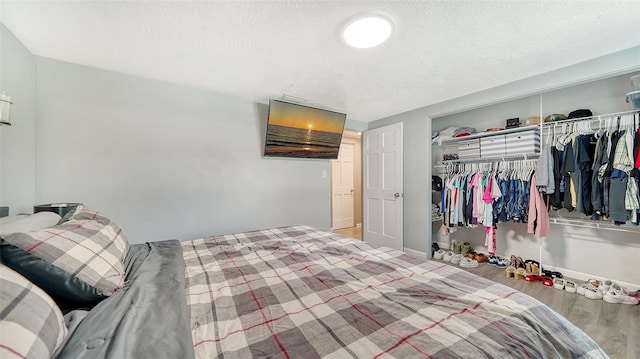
298	292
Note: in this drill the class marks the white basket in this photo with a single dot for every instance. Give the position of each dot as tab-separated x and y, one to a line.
635	82
634	99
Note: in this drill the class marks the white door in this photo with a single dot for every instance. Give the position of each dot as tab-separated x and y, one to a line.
382	192
342	187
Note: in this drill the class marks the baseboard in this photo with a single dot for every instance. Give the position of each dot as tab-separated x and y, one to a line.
415	253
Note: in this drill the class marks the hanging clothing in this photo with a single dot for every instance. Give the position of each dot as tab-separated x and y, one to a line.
538	222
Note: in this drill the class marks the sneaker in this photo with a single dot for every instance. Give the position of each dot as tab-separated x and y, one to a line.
439	254
492	260
617	294
570	286
447	256
591	284
604	286
558	283
468	263
582	288
593	293
502	262
456	258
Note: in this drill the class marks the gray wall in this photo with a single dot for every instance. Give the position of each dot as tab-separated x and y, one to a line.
17	146
166	161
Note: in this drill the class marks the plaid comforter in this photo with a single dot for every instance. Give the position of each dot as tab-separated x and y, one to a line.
296	292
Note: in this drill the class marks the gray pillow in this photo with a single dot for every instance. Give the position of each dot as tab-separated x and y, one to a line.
80	260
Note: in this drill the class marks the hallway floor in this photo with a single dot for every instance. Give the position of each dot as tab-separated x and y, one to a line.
351	232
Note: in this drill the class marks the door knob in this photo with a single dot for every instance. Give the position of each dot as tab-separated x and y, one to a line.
396	195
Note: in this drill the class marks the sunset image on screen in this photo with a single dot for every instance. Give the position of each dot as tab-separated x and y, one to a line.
286	115
301	131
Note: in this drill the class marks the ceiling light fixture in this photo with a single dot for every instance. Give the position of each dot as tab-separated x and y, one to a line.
367	30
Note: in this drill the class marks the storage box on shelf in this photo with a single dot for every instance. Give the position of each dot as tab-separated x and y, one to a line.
521	143
469	149
493	146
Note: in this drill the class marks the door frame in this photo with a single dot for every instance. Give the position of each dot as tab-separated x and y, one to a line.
355	138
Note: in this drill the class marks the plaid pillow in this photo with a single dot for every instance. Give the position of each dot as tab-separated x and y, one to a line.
79	260
31	324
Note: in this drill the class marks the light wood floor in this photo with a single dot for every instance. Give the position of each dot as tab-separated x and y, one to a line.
615	327
352	232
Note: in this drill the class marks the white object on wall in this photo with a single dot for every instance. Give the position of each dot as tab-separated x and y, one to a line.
5	108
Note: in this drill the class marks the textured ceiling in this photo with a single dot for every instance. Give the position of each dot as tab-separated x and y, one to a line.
263	49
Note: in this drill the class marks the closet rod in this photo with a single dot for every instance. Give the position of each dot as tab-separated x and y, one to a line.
589	118
585	223
531	156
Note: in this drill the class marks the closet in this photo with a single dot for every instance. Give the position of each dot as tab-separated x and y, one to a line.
578	244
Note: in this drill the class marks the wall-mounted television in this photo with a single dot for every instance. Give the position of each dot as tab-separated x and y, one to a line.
295	130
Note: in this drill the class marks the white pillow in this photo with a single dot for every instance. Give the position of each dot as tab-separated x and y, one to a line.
30	223
9	219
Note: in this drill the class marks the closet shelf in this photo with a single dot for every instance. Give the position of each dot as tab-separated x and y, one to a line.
589	223
487	134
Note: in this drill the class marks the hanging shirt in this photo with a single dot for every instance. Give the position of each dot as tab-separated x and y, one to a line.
538	222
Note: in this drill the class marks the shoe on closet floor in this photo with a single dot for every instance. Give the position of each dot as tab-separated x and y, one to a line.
532	278
520	273
447	256
552	274
510	271
591	284
439	254
502	262
457	247
570	286
532	266
618	295
434	248
466	249
593	293
456	258
465	262
558	283
605	285
481	258
492	260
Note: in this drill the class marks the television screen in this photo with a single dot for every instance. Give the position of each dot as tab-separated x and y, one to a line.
295	130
